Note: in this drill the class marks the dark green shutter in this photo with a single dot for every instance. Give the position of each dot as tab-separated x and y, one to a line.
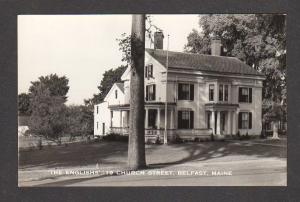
147	93
179	91
191	119
240	120
250	95
153	92
151	70
250	120
146	71
179	122
240	94
192	92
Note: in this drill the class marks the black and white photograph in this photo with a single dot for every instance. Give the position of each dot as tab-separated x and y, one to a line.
152	100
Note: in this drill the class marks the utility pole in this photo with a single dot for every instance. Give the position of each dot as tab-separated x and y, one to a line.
166	103
136	143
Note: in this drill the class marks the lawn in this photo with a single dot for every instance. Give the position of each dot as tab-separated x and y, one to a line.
34	165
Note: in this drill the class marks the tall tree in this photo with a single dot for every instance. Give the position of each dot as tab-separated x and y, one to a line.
57	86
109	78
24	104
80	120
136	146
48	114
257	39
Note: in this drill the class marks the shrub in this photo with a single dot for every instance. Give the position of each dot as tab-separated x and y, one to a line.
262	135
40	144
157	141
238	134
212	137
115	137
178	139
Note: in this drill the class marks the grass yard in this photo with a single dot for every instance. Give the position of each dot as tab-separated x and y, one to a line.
34	165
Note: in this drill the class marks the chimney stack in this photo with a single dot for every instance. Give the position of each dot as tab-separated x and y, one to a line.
216	46
158	40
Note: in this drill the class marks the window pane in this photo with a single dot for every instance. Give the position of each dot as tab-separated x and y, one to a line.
220	92
211	92
184	119
244	91
226	93
185	92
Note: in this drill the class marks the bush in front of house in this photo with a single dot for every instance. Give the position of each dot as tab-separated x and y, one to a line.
115	137
178	139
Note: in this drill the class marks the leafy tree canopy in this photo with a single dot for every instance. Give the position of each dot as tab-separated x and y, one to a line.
57	86
48	114
109	78
257	39
24	104
80	120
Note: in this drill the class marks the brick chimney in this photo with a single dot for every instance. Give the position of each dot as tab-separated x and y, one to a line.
216	46
158	40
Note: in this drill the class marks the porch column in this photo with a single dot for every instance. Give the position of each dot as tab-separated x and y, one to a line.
111	118
172	119
218	123
121	118
213	122
229	122
233	123
158	118
146	118
127	118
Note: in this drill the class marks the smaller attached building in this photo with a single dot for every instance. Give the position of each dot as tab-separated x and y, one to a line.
105	118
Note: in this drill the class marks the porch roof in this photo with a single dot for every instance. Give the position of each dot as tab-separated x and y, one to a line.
147	104
221	106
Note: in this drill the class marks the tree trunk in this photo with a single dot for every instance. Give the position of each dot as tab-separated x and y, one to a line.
136	144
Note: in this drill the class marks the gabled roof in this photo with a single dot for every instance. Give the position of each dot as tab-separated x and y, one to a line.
121	86
210	63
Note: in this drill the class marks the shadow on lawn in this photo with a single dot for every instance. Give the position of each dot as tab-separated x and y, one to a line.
215	150
158	156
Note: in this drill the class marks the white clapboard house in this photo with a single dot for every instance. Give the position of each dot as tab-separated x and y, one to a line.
205	95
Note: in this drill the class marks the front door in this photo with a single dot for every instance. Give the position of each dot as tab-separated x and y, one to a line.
152	118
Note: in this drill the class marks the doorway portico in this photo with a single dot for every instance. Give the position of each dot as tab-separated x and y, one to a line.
221	118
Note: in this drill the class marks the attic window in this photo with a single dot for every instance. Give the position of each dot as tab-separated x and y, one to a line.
116	94
149	71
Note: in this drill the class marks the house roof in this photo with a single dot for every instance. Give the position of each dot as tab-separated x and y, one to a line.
121	86
219	64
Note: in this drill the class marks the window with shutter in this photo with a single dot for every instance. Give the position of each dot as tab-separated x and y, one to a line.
185	119
150	92
185	91
245	94
245	120
150	70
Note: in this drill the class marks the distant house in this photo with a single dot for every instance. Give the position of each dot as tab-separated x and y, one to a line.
205	94
22	125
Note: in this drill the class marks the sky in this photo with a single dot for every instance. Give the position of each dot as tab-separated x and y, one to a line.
83	47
